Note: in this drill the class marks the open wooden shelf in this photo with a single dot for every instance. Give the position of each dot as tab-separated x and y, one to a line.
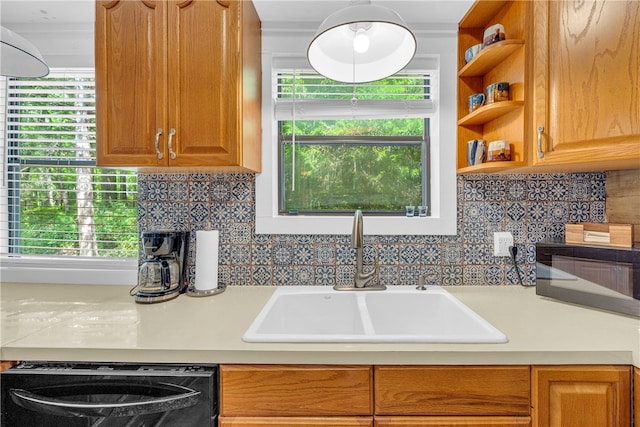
486	113
489	57
491	167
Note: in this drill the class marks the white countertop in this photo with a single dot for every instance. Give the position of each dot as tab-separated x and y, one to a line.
102	323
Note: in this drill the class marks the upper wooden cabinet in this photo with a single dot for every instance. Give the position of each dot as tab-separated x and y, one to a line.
586	84
574	74
178	83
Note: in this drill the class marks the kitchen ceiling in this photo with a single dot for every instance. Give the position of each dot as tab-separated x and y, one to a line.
53	12
63	29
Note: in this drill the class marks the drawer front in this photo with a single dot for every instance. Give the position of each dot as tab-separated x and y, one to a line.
452	390
295	390
296	421
440	421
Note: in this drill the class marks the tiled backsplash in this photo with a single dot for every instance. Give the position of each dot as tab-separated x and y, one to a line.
531	207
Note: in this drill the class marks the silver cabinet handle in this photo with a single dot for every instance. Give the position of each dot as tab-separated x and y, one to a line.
540	152
172	155
158	152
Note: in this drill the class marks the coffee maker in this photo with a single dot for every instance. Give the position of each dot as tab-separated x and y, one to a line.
162	270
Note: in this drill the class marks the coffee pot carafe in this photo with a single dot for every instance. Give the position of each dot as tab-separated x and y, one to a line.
161	273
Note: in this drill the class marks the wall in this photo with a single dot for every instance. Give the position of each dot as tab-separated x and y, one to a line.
623	199
532	207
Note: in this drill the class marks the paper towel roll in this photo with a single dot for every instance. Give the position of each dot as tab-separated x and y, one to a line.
206	260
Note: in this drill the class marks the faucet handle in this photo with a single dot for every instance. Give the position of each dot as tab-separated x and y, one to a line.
421	284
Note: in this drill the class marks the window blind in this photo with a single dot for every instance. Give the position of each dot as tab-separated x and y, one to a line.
58	201
309	96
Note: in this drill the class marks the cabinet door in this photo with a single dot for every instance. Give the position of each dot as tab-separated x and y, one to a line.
586	83
296	421
585	396
130	71
452	421
452	390
636	397
292	390
204	81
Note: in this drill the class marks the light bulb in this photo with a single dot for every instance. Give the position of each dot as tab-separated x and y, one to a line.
361	41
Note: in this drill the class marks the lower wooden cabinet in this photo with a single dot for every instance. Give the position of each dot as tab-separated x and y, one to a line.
295	421
429	396
581	396
636	397
452	421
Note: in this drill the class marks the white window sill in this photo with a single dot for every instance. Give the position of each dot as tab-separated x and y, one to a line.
69	270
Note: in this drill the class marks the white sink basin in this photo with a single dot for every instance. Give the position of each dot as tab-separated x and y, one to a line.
398	314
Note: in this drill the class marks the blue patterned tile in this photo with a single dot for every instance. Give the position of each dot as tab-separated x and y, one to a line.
536	211
558	211
495	190
282	276
409	254
516	211
452	253
325	275
477	253
261	276
239	233
325	254
494	212
261	254
473	190
240	254
198	191
241	275
303	275
474	212
282	254
431	254
472	275
240	192
579	212
157	191
516	190
555	231
389	254
474	233
345	274
558	190
303	254
369	255
494	275
452	275
220	192
597	212
580	189
389	275
536	232
537	190
409	275
220	214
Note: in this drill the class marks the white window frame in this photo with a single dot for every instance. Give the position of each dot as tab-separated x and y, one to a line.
280	45
52	269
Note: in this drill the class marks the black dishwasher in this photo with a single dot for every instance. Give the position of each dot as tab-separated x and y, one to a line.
58	394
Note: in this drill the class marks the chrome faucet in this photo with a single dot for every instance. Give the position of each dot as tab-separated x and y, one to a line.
357	242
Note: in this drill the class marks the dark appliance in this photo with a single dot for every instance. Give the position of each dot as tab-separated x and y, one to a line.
162	271
54	394
595	276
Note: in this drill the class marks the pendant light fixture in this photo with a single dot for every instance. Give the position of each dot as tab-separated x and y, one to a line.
19	57
361	43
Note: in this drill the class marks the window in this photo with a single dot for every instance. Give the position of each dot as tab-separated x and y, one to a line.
344	147
316	208
58	203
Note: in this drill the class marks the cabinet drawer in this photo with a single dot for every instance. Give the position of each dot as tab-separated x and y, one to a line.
440	421
296	421
452	390
292	390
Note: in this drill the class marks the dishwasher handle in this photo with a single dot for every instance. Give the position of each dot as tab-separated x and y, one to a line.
152	398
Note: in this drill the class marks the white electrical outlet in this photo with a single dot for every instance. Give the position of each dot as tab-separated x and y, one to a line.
501	242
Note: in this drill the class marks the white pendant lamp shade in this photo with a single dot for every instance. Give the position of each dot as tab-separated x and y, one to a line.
18	57
361	43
